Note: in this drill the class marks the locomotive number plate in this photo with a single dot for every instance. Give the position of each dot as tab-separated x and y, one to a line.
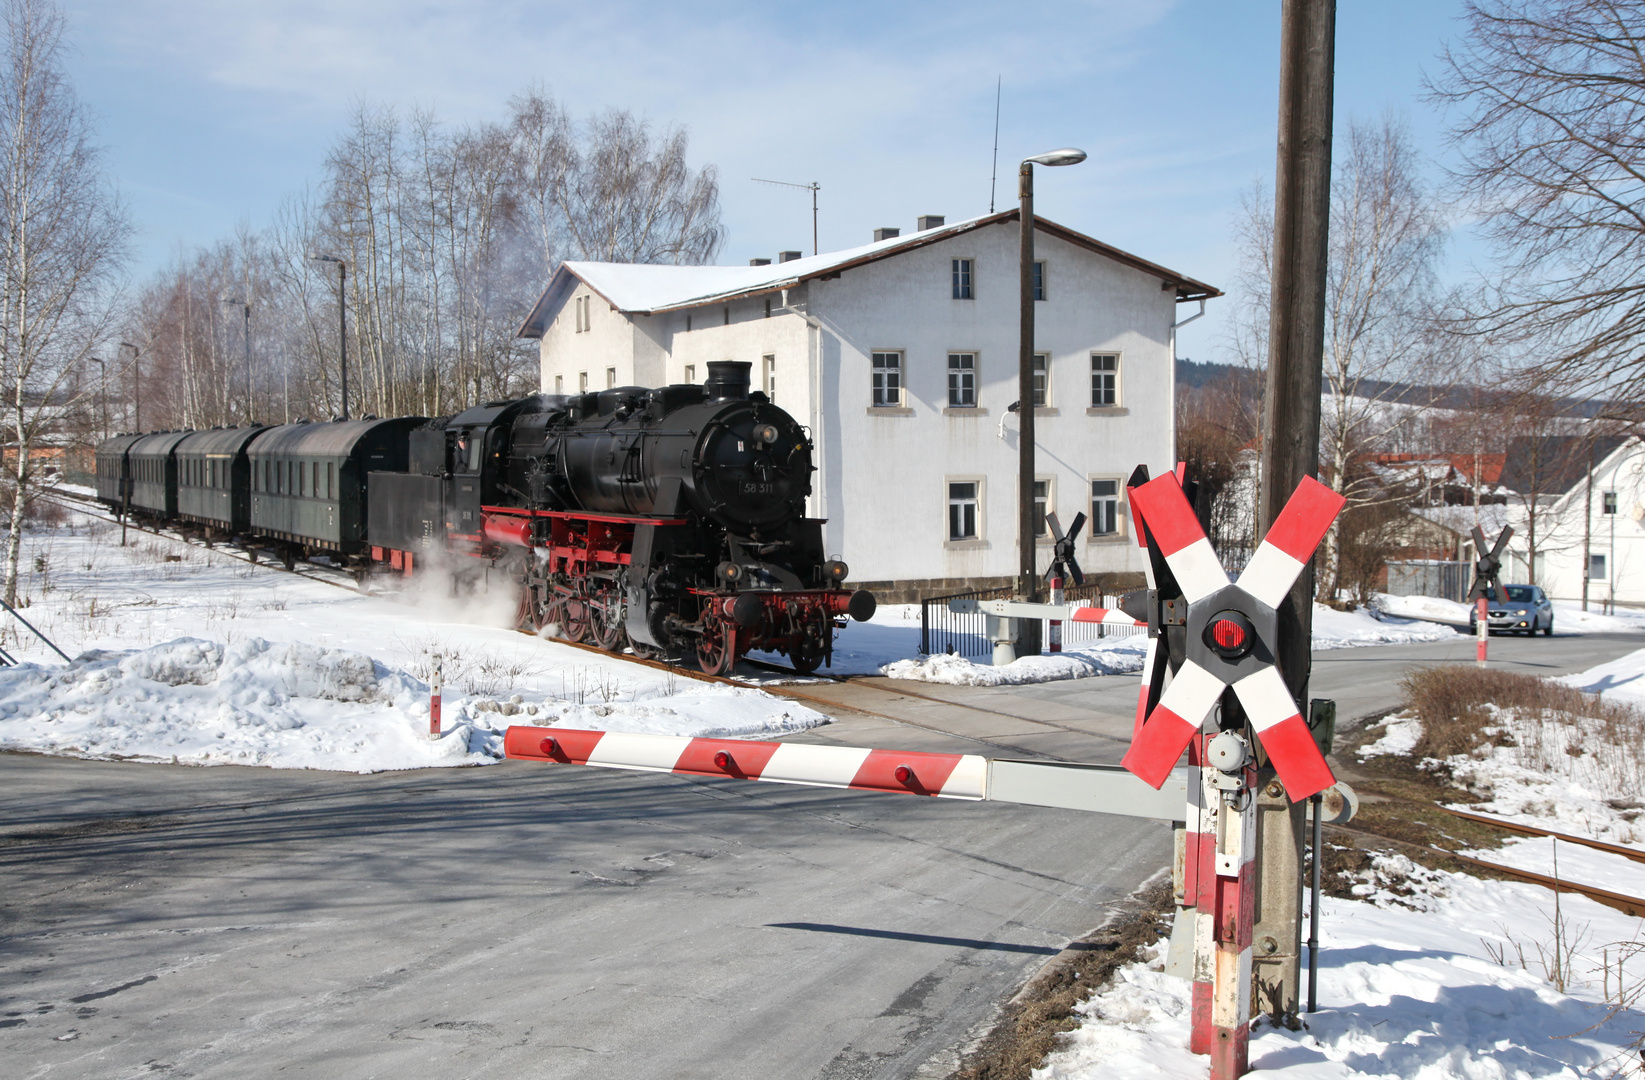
757	487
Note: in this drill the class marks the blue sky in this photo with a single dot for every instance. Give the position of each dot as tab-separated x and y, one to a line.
214	112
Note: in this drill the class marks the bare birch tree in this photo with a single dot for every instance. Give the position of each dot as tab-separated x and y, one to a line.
1548	100
63	238
1382	365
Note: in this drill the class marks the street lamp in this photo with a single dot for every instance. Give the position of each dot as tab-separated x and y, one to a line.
103	378
136	385
1027	569
246	307
342	323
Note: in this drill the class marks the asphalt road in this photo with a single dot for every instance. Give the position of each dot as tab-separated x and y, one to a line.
520	920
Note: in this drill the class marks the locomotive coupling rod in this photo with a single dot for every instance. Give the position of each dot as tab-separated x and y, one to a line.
1101	789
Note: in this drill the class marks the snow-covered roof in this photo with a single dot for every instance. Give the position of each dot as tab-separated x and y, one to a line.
1461	519
637	288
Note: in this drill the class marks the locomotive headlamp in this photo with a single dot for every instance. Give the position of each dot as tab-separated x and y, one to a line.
767	434
836	569
731	572
1230	634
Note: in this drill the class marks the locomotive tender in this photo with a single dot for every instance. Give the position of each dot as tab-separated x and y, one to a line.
671	520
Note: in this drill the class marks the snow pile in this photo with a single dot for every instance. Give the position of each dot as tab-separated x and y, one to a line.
1367	626
1123	656
298	706
1439	993
1570	618
1623	679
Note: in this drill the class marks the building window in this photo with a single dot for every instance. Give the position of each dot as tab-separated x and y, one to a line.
728	315
1038	277
1607	502
962	510
962	279
1596	568
582	382
1042	380
1042	500
768	307
559	384
691	373
887	379
580	308
688	324
610	378
962	380
768	382
1105	380
1105	508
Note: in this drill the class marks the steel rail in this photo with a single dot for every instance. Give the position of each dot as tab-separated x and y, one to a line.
1628	905
1531	830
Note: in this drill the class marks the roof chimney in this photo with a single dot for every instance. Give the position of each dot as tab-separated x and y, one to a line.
929	221
787	256
759	262
885	234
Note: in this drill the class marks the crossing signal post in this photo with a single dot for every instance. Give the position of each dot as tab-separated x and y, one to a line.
1487	584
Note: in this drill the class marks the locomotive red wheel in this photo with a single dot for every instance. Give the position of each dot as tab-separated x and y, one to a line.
530	615
609	633
576	618
717	647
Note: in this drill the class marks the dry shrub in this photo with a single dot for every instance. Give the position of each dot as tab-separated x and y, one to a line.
1453	704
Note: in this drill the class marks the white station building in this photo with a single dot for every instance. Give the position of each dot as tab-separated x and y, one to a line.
901	357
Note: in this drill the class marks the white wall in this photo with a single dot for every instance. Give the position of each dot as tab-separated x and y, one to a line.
1620	538
888	492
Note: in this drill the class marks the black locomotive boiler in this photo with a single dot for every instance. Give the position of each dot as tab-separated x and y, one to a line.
669	520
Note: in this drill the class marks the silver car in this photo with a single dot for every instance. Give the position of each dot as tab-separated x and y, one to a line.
1528	610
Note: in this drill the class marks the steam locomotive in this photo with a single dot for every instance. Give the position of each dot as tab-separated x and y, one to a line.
669	520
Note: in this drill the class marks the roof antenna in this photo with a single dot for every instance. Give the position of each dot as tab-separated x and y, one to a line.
995	175
812	187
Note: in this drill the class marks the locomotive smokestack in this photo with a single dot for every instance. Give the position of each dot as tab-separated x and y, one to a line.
727	379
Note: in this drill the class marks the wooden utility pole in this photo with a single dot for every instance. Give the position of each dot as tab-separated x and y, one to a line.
1290	447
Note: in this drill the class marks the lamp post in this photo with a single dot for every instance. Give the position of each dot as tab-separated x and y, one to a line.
136	385
342	323
1027	527
245	306
103	380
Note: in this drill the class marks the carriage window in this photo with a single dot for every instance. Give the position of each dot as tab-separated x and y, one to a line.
331	480
315	486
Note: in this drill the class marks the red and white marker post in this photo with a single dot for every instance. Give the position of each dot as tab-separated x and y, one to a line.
1482	630
1055	635
434	689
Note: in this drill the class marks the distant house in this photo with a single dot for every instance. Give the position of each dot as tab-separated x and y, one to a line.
901	357
1598	509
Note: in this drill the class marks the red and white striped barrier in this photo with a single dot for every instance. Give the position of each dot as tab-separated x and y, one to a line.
1102	789
1108	616
945	776
1054	629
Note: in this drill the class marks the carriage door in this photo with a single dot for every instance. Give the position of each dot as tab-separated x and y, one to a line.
467	459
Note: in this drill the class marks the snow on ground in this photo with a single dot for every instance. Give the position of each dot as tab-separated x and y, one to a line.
1366	626
1431	608
1454	989
195	656
1623	679
1569	618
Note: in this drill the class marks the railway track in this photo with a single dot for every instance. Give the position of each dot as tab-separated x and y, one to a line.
1628	905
